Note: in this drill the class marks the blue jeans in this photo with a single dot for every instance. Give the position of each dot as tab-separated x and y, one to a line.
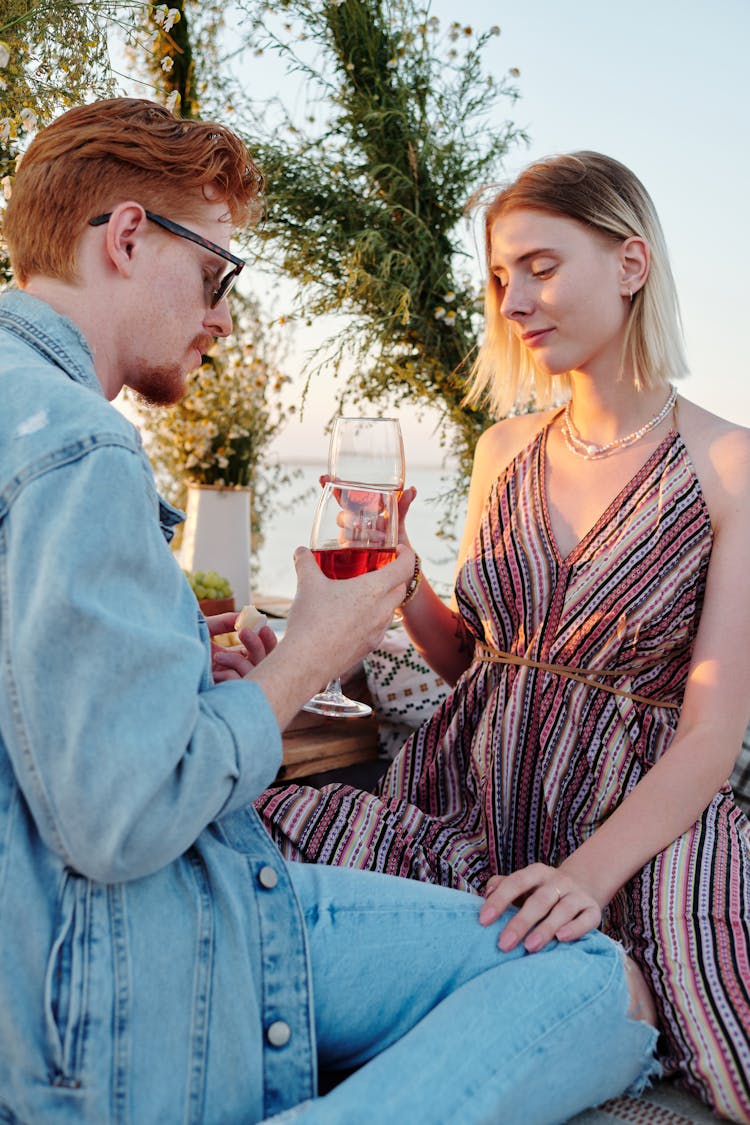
470	1034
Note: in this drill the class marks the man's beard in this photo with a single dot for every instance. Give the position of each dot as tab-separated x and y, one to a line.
160	386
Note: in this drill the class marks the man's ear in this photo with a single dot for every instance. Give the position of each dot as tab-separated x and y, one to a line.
124	230
635	262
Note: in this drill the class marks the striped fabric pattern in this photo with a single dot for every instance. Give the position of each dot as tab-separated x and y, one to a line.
521	765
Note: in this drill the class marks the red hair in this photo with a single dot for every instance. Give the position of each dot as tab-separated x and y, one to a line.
96	156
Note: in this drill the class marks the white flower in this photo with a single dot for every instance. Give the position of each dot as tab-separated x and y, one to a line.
172	17
439	313
3	84
391	64
4	55
494	30
173	101
27	117
450	316
167	64
448	297
160	14
4	128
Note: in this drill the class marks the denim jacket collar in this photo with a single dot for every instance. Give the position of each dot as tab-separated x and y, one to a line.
54	336
61	342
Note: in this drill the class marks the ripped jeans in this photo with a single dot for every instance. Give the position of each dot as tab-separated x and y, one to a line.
445	1028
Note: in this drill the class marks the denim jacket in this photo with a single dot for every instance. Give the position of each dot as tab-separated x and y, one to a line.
152	955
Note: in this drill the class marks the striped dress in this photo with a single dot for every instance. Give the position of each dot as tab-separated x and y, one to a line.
521	764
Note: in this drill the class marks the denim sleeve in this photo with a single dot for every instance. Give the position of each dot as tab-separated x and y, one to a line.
123	746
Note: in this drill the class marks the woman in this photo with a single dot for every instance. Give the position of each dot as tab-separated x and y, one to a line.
598	637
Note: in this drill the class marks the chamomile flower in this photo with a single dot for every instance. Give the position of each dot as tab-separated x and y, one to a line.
27	118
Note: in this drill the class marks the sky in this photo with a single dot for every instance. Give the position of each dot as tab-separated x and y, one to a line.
660	85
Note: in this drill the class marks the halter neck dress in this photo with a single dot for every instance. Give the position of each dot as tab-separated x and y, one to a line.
521	763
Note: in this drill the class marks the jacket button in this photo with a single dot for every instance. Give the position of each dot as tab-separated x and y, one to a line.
267	877
279	1033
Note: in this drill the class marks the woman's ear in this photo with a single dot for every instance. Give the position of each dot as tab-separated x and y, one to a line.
124	229
635	262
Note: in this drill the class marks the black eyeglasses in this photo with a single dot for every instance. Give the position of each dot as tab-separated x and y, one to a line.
229	278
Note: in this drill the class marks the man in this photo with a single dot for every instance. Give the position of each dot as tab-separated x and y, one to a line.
159	962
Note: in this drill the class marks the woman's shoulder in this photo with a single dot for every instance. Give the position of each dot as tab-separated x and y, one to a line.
496	449
720	452
710	432
506	439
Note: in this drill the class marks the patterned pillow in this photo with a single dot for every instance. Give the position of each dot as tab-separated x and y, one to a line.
404	689
740	779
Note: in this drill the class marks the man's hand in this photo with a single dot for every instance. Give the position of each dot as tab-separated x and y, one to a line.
344	619
234	663
331	625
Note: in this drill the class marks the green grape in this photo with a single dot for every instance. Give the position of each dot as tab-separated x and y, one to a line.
208	584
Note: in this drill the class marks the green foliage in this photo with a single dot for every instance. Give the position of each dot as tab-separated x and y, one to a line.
365	208
169	65
57	57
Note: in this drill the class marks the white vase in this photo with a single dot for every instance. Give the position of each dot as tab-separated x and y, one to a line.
216	536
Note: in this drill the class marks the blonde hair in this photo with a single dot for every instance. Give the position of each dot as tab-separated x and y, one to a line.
607	197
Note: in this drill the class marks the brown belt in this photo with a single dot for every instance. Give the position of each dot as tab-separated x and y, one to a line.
589	676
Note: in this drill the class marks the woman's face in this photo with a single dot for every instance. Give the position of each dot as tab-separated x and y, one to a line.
562	287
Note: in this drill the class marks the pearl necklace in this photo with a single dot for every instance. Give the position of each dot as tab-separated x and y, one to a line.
591	452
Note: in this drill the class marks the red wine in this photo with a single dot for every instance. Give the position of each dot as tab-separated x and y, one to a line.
350	562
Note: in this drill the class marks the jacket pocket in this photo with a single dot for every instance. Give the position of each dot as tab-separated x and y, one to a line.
67	980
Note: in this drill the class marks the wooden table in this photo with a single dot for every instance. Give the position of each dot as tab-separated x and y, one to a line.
314	744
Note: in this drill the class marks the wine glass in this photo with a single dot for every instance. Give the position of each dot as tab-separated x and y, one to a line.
355	530
367	451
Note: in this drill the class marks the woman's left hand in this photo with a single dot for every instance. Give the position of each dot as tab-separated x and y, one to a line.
554	905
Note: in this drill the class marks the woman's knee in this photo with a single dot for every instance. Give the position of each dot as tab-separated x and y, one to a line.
642	1005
